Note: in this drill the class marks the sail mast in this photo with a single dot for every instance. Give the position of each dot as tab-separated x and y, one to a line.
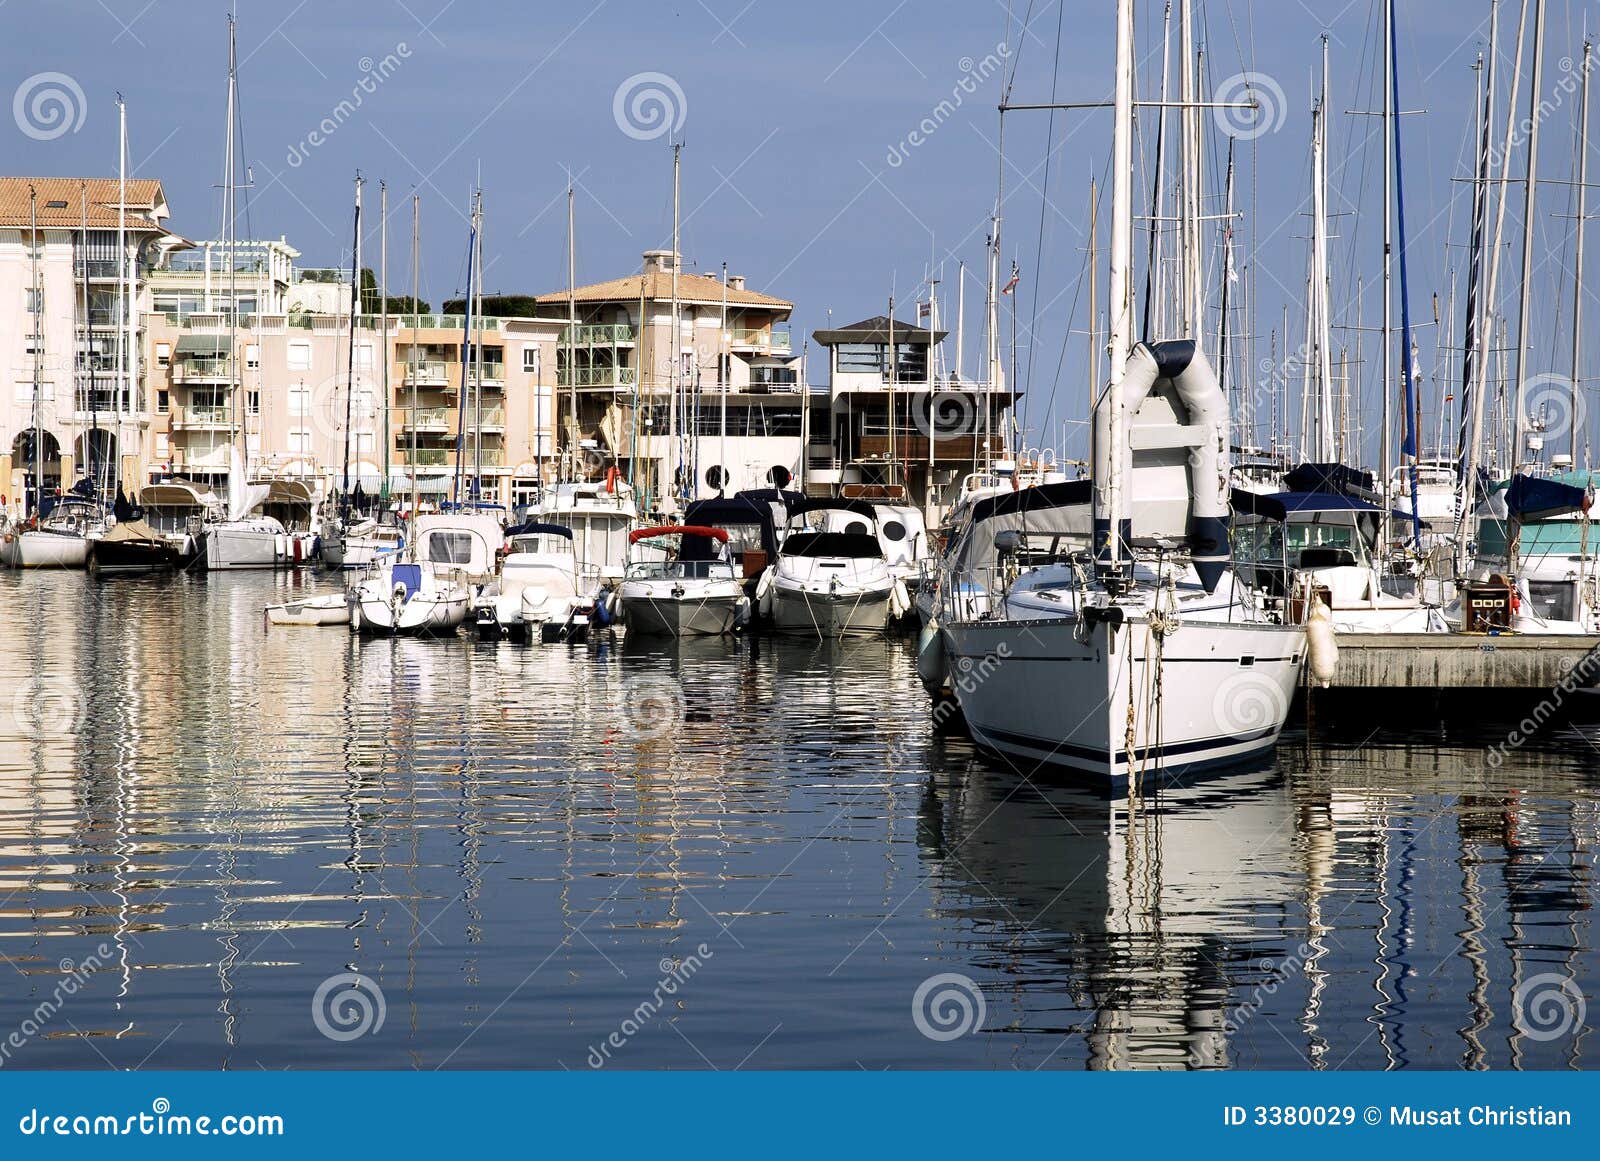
125	283
1121	254
383	343
1529	183
38	343
416	308
1577	260
572	332
350	366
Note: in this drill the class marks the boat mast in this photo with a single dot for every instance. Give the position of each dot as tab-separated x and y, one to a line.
1319	266
1577	262
416	307
383	310
466	343
1529	182
1387	373
85	376
38	342
676	344
1121	255
572	338
1194	293
240	475
722	378
350	365
124	279
477	358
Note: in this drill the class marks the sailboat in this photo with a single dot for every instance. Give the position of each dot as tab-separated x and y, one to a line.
1149	656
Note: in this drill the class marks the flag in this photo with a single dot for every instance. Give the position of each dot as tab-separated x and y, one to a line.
924	310
1016	277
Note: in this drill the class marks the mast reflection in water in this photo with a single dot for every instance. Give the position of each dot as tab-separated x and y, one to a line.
719	853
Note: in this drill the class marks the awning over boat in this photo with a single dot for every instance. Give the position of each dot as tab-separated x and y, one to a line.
1281	505
204	345
1535	498
1337	478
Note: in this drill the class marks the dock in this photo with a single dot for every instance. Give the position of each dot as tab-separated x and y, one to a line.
1454	661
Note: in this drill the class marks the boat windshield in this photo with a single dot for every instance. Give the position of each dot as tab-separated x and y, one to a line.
680	570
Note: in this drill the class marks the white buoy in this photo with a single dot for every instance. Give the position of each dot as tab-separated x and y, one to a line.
1322	648
931	660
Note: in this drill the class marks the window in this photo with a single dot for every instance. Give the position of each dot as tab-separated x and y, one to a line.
362	442
33	345
299	356
299	443
34	299
530	360
252	356
163	445
163	354
299	400
450	547
859	358
364	355
163	402
252	402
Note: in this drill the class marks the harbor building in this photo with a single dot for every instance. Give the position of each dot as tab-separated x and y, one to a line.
721	403
81	328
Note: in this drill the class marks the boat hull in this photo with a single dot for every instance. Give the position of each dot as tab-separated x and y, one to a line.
33	548
109	558
229	548
829	614
1041	692
333	609
651	612
422	615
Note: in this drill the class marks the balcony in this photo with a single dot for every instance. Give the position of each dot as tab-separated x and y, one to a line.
429	457
598	335
434	373
201	417
434	420
202	371
762	338
913	448
612	377
493	420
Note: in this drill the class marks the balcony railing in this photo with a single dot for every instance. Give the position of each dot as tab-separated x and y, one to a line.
597	377
598	334
425	373
430	457
425	419
492	417
775	339
201	371
201	416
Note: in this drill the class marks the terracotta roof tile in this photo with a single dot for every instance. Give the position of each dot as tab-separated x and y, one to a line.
146	199
695	288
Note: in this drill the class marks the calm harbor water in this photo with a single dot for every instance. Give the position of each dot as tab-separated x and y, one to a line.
751	853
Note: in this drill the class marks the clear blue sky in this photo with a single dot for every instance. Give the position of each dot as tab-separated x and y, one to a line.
790	114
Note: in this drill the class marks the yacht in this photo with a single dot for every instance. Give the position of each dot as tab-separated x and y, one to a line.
59	539
1536	529
357	544
1148	655
268	526
541	592
600	514
831	578
178	512
681	582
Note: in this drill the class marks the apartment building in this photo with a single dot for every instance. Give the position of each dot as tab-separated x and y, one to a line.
75	268
721	401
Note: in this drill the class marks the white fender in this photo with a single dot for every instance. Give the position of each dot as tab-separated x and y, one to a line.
931	665
1322	647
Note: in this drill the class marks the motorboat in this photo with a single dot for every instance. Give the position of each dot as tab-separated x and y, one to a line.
831	578
1537	530
681	582
178	511
321	610
132	548
541	592
428	589
600	514
1099	627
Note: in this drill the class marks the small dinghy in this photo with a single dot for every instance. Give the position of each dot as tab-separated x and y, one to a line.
328	609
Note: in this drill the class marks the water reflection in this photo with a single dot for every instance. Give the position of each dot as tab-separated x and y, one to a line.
516	843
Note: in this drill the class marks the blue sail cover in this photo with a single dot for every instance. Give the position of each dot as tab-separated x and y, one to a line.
1339	479
1536	498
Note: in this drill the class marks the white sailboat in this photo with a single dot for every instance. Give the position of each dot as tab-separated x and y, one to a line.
1152	657
428	590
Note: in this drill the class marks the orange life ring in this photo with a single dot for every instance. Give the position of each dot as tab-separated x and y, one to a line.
611	479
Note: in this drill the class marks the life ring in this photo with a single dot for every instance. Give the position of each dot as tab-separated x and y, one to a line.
611	478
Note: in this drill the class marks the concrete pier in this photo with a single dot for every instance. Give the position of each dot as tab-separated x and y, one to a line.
1445	661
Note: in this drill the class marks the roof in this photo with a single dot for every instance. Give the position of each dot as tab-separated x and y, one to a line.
147	202
657	286
876	330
